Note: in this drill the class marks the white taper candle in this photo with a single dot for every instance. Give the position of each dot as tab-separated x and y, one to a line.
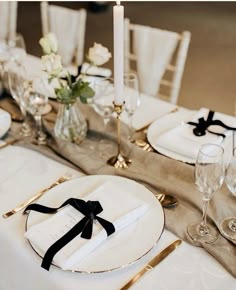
118	26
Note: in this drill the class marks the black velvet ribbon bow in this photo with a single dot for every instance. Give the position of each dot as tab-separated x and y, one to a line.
202	126
90	210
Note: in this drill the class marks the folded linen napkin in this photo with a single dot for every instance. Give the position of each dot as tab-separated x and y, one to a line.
121	214
181	139
95	71
153	48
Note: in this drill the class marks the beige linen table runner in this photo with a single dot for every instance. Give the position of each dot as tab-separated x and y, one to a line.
155	171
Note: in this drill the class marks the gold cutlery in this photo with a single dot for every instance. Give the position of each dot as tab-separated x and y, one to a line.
6	143
36	196
151	264
166	200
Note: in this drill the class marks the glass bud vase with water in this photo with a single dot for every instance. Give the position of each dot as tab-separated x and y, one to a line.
70	123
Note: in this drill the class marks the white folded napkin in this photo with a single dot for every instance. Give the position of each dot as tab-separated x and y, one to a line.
5	122
119	207
182	140
95	71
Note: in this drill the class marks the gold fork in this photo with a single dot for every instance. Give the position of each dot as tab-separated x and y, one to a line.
36	196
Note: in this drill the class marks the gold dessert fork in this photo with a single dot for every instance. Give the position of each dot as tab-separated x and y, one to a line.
36	196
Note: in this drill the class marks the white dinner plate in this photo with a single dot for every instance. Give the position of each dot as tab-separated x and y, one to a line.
124	247
164	124
5	122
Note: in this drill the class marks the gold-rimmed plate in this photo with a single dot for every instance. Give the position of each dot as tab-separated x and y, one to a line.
124	247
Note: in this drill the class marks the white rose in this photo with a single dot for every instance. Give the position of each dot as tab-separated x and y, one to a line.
98	54
49	43
52	64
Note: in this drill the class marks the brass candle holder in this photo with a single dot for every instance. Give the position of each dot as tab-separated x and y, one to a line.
119	161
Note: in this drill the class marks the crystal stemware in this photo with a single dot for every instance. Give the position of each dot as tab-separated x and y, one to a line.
209	177
37	100
16	74
228	225
102	101
17	48
132	99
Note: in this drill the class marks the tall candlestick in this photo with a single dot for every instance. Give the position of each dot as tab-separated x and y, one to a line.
118	26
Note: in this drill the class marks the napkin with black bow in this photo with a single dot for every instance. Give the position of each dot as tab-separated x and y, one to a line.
187	138
121	214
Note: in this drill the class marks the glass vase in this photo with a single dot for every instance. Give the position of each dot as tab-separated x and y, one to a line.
70	123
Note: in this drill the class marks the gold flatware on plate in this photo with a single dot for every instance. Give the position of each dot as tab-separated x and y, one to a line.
36	196
151	264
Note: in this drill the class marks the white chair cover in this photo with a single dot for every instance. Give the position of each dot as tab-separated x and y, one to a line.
4	19
153	49
64	23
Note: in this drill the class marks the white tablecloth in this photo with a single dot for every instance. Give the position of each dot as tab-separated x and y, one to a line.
23	172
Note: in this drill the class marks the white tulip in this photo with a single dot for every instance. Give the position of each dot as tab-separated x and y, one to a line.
52	41
45	45
98	54
49	43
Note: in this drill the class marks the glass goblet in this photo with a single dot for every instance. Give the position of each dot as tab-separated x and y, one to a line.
16	75
102	101
37	100
132	99
228	225
209	177
17	48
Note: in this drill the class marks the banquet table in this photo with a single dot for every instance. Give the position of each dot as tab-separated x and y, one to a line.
24	171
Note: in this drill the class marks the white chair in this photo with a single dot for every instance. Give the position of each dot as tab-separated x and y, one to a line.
159	58
69	27
8	19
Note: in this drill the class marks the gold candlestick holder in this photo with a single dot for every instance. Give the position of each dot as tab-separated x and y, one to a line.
119	161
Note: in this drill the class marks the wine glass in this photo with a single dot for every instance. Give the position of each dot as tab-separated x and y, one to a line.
17	48
16	74
132	99
36	102
228	225
209	177
102	101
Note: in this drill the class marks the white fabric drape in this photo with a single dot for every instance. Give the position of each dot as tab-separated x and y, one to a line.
153	49
64	23
4	19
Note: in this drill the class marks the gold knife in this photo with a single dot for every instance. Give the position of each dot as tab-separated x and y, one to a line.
35	197
151	264
10	142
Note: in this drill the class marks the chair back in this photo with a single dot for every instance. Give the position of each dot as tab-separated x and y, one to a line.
69	27
8	19
159	58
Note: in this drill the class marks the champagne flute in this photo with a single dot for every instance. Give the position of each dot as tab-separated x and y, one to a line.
37	100
228	225
209	177
132	99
